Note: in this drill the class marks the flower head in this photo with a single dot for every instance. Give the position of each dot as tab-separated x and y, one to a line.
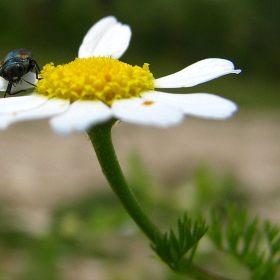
96	87
96	79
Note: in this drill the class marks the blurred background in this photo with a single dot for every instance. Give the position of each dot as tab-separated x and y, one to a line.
58	217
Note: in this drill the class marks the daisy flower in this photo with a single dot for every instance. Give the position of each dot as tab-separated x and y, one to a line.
97	87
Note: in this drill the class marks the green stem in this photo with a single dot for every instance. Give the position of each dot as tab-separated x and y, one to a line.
100	137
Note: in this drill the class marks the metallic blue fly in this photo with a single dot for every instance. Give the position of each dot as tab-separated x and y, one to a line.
15	65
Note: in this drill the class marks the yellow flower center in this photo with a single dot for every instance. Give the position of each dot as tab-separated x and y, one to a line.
95	78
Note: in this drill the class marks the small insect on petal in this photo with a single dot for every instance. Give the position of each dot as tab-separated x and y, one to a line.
14	66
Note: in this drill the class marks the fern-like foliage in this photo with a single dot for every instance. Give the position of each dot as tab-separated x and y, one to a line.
256	245
178	250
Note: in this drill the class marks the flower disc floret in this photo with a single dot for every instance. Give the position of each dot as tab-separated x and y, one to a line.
95	78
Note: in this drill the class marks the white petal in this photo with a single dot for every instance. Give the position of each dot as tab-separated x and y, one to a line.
94	35
3	84
5	121
50	108
106	38
81	116
197	73
202	105
9	107
45	108
13	105
22	85
144	112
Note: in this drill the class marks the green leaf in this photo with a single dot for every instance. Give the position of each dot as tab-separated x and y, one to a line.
254	244
178	250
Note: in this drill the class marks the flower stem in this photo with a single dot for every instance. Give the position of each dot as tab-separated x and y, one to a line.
100	137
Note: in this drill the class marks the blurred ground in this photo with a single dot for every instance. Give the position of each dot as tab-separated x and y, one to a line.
40	170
